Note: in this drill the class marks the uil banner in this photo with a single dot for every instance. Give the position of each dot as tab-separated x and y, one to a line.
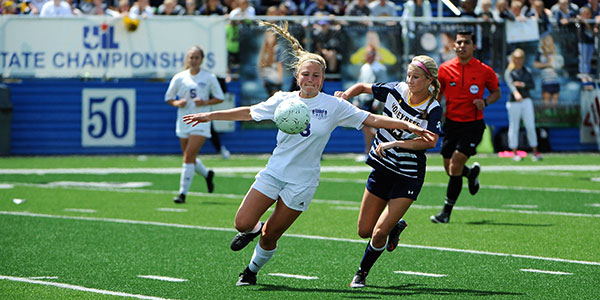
102	46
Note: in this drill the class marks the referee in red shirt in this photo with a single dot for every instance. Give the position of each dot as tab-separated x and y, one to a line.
463	81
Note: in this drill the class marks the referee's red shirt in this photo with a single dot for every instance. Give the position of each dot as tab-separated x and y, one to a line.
463	84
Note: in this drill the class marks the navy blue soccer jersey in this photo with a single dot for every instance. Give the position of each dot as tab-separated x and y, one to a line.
410	163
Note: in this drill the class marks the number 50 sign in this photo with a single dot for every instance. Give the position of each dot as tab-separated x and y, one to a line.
107	117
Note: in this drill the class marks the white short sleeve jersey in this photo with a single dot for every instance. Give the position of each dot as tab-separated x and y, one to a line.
297	157
185	86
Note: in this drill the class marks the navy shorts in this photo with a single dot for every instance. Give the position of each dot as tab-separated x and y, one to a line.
461	136
551	88
386	185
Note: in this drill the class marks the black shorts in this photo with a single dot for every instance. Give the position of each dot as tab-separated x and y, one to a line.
386	185
461	136
551	88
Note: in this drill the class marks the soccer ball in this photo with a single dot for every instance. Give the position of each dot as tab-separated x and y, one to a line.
292	116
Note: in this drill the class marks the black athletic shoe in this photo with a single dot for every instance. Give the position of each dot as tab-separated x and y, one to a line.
242	239
179	199
359	280
440	218
247	277
209	181
395	235
474	179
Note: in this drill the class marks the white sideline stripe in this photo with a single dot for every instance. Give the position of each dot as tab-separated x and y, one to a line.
347	207
79	288
44	277
294	276
545	272
520	206
311	237
593	204
6	186
325	169
420	274
172	209
99	184
417	206
163	278
83	210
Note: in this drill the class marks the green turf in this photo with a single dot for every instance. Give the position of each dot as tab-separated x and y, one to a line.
126	235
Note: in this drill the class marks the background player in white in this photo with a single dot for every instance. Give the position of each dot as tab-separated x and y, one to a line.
191	91
291	176
397	157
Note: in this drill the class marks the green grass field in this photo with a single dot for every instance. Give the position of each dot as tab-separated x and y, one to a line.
105	227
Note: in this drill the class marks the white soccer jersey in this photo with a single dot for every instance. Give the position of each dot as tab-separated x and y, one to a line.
297	157
410	163
185	86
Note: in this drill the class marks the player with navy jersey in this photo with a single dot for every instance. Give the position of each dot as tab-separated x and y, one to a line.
191	91
397	157
291	176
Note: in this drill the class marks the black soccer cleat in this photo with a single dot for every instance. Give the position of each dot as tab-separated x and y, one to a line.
440	218
179	199
394	236
359	280
210	185
474	178
247	277
242	239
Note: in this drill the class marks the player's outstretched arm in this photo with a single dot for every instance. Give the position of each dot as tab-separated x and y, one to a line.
232	114
355	90
379	121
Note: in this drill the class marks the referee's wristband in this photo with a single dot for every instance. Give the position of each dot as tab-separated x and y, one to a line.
485	101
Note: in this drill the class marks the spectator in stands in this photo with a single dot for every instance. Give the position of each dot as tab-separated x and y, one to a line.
586	32
487	31
243	10
121	10
9	8
382	8
501	10
566	33
519	80
543	16
56	8
415	8
190	8
141	9
447	50
327	41
193	90
270	65
288	8
212	7
35	6
550	63
359	8
593	4
170	8
320	8
98	7
371	71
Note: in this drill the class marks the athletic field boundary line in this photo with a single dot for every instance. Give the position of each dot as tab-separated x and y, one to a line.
321	201
311	237
79	288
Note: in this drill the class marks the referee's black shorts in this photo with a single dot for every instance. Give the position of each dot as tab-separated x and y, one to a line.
461	136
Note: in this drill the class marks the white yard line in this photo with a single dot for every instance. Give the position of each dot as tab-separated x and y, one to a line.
79	288
81	210
162	278
169	209
420	274
325	169
546	272
312	237
294	276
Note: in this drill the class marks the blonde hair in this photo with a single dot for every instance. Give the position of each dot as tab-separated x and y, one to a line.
300	55
186	61
430	72
511	63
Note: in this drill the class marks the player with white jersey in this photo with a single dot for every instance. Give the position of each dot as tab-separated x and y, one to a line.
397	157
291	176
191	91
